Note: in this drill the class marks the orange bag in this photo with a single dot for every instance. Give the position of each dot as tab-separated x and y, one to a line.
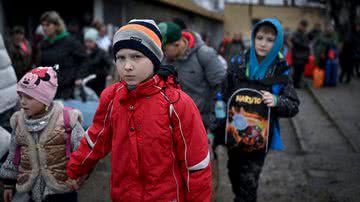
318	77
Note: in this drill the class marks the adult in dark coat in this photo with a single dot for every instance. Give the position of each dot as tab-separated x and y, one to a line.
356	50
99	62
350	53
59	47
300	51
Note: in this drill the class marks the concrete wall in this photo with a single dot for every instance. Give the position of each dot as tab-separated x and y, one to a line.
120	12
238	17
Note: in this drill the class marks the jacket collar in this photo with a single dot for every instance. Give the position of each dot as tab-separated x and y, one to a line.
152	86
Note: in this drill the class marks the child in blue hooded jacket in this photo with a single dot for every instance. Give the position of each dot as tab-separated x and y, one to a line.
265	68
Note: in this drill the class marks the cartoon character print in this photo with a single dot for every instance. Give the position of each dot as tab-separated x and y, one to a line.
33	78
245	130
252	137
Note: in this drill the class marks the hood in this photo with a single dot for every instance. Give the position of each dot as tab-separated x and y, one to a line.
257	71
195	41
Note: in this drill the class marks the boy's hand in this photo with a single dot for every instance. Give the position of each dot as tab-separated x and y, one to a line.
75	184
8	195
80	181
269	99
72	184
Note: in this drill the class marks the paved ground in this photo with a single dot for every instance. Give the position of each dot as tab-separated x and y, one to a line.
97	188
321	161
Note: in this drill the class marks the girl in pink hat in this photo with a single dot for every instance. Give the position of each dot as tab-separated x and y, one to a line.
44	134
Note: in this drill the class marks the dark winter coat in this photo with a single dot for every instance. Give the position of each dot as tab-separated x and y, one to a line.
287	100
70	55
98	63
301	49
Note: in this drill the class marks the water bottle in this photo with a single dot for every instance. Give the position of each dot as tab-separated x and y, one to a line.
220	107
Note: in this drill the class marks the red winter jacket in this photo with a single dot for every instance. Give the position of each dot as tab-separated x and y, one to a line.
149	162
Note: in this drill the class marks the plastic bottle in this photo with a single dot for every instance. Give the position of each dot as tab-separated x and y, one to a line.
220	107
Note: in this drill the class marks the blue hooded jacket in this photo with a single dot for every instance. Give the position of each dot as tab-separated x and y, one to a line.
257	71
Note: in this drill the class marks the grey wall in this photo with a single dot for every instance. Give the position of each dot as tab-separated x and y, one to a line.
119	12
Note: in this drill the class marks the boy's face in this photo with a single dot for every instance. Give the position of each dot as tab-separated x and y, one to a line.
264	41
171	50
31	106
133	66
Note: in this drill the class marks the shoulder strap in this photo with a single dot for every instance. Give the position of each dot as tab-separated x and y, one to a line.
171	110
202	64
16	159
68	130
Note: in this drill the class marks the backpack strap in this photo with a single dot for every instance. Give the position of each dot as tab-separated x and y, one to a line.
68	130
16	159
171	110
171	107
201	62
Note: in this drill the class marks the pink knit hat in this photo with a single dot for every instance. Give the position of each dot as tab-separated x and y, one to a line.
40	83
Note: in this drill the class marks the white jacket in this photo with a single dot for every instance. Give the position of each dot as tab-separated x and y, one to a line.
8	96
4	141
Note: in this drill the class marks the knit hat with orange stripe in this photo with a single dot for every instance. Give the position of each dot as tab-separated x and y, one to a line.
140	35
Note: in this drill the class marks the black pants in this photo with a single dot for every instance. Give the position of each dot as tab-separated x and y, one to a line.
297	74
346	71
244	170
67	197
357	68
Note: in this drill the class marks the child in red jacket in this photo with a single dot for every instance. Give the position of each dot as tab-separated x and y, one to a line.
159	148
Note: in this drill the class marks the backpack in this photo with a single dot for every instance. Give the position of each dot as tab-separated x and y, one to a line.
68	129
